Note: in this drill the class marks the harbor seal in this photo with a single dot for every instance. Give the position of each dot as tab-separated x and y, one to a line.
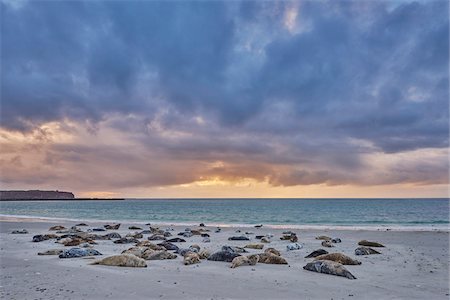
365	251
23	231
258	226
254	246
234	249
43	237
223	256
265	239
78	252
323	238
204	254
112	226
238	238
157	237
191	258
81	224
206	240
328	267
268	258
122	260
150	254
126	241
336	240
272	251
168	246
134	228
51	252
338	257
250	260
138	251
176	240
316	253
57	227
369	244
327	244
136	235
113	235
293	246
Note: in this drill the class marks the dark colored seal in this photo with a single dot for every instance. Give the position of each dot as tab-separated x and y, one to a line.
316	253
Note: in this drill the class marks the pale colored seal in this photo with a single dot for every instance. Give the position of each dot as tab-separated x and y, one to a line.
338	257
204	254
369	244
112	226
150	254
191	258
269	258
254	246
272	251
327	244
57	227
250	260
365	251
122	260
328	267
293	246
51	252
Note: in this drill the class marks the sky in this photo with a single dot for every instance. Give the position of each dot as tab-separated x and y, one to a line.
225	99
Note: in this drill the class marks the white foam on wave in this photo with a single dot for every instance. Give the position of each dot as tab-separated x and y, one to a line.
386	227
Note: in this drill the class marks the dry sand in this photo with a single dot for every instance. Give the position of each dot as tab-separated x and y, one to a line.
414	265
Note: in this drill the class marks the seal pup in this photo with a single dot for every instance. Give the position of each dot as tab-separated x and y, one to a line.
293	246
113	235
272	251
338	257
365	251
250	260
327	244
122	260
223	256
136	235
112	226
150	245
369	244
316	253
51	252
269	258
328	267
323	238
254	246
126	241
191	258
81	224
138	251
336	240
40	237
157	237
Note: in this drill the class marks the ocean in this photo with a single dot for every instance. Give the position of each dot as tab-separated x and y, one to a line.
348	213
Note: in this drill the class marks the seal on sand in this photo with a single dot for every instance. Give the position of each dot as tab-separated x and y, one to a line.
369	244
328	267
365	251
272	251
191	258
323	238
254	246
316	253
338	257
269	258
327	244
250	260
293	246
122	260
112	226
51	252
223	256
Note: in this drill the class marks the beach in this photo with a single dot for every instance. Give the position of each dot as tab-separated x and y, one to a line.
413	265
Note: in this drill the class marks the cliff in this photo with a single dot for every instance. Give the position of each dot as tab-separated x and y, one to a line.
35	195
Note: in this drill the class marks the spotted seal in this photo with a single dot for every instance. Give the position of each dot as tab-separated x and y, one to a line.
365	251
328	267
223	256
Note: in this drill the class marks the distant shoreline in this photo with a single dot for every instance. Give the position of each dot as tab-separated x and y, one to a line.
66	200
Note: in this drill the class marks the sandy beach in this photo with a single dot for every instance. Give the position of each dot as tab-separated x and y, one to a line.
413	265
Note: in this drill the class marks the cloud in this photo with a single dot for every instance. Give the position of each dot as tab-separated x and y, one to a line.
311	93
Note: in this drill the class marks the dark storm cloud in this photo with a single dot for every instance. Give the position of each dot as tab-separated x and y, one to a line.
293	106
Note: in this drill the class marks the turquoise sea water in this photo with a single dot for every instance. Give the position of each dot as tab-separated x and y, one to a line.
333	212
